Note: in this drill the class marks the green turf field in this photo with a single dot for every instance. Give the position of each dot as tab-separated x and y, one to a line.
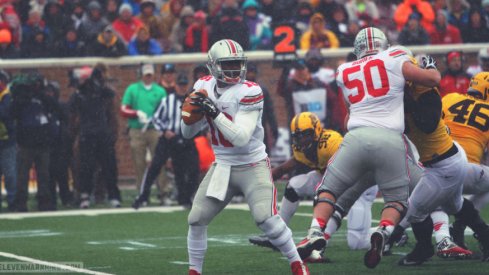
143	242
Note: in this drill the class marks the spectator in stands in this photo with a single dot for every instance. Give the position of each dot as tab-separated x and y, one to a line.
177	36
9	19
318	36
454	79
34	23
458	13
168	78
60	149
199	71
150	19
443	32
303	17
71	45
171	144
8	50
229	24
268	118
365	10
197	34
482	63
258	26
413	33
107	44
22	8
8	150
421	7
327	8
477	30
32	110
304	93
93	23
94	110
77	12
347	39
170	16
485	9
56	20
143	44
127	24
37	46
339	23
112	10
139	103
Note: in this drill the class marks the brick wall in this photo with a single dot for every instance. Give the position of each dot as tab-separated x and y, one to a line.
122	76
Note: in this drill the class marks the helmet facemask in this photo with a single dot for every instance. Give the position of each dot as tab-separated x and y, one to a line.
231	71
303	140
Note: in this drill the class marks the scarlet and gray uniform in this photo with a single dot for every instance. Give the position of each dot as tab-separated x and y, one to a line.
374	88
249	166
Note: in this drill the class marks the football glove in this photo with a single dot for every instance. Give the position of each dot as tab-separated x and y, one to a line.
205	104
142	117
429	62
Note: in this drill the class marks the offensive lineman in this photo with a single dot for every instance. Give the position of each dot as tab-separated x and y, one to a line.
373	86
233	110
314	146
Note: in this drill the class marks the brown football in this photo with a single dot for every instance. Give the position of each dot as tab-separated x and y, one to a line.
187	115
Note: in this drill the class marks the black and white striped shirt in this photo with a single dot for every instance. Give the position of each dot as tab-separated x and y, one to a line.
168	114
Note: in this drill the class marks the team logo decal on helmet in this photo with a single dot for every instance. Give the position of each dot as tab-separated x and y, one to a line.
479	85
369	41
306	129
226	61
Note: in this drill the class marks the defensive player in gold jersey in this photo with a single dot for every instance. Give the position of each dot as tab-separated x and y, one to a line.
440	187
467	116
314	146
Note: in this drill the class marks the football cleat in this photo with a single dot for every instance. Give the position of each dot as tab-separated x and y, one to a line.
139	202
484	247
457	231
299	268
193	272
446	248
263	241
314	241
397	238
419	255
374	254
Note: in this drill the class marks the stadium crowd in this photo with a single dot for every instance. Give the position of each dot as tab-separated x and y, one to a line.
30	107
111	28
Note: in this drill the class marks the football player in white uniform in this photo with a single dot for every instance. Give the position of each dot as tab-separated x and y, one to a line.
233	110
373	86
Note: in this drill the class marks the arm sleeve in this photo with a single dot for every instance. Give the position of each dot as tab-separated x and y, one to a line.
238	132
190	131
427	112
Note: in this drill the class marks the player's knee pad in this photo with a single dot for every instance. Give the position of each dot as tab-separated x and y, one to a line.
276	230
317	199
400	207
291	194
197	218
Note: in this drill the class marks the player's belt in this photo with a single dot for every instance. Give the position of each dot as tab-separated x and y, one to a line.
451	152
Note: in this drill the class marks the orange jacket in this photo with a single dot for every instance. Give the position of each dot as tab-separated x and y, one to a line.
404	10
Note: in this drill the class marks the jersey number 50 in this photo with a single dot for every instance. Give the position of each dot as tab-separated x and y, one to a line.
357	84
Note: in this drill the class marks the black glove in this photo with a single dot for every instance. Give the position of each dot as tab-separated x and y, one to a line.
429	62
206	105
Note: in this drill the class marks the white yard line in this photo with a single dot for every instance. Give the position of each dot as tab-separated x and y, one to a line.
56	265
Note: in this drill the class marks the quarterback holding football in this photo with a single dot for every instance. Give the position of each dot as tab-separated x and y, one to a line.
232	108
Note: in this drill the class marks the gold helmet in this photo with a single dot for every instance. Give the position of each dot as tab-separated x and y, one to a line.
479	86
305	128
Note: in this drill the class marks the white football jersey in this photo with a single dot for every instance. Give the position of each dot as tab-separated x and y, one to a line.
374	88
246	96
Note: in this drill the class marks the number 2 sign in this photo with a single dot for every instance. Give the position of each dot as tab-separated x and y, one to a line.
284	43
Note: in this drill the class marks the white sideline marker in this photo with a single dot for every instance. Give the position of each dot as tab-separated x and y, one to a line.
60	266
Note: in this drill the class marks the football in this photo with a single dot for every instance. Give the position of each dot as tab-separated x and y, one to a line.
188	116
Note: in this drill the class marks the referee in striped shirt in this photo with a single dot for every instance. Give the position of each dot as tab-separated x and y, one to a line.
184	154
